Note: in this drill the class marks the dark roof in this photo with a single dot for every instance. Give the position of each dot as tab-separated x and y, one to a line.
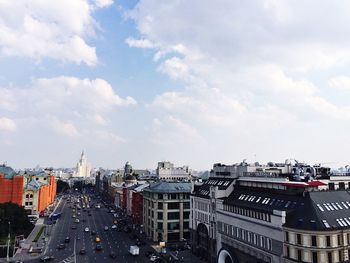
7	171
319	210
169	187
203	190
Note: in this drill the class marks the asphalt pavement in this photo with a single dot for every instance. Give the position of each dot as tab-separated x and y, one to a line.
111	240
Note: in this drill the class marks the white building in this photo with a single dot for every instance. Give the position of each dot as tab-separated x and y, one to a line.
83	168
167	171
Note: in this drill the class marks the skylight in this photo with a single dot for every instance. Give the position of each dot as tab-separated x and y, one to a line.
326	224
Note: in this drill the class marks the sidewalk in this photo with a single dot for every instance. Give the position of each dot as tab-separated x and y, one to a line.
23	253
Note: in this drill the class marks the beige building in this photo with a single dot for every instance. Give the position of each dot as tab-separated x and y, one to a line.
166	211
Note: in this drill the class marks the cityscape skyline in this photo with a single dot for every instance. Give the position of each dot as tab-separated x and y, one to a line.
146	81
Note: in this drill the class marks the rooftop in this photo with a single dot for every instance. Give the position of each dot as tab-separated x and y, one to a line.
7	171
169	187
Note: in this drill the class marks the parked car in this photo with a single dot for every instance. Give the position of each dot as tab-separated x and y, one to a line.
106	228
67	240
98	247
47	258
82	251
87	229
112	255
61	246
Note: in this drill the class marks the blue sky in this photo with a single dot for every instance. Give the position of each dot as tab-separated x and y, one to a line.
192	82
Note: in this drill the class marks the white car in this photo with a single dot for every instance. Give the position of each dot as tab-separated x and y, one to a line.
114	227
153	258
87	229
106	228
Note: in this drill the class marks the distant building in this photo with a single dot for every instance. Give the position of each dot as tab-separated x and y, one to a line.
166	171
166	211
83	168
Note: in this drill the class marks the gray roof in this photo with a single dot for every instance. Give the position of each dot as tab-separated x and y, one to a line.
33	185
319	210
7	171
169	187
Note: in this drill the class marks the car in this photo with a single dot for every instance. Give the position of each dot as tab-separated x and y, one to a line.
114	227
106	228
61	246
149	253
74	227
82	251
98	247
93	233
47	258
97	239
153	258
77	221
73	216
87	229
112	255
67	240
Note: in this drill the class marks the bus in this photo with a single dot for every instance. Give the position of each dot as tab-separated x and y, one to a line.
33	218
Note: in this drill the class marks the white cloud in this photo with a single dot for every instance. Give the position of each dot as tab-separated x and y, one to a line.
341	83
103	3
49	29
72	106
248	72
139	43
7	124
64	127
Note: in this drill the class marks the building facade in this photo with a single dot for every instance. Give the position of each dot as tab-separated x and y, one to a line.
166	211
287	212
167	171
83	168
11	186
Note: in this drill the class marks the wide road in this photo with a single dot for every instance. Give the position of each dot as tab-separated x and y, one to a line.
111	240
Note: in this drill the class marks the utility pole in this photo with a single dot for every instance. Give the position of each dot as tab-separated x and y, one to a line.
75	254
8	243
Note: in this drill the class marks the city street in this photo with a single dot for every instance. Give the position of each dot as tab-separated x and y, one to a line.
112	240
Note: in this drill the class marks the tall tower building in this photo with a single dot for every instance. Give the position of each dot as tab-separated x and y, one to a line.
83	168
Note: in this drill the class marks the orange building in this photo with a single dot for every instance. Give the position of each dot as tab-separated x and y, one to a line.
34	191
40	191
11	186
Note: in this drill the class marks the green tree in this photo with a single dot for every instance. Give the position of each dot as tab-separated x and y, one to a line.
62	186
17	216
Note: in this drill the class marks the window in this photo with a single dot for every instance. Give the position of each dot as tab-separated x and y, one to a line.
331	186
160	226
298	239
340	253
173	226
330	260
313	241
173	205
160	205
339	240
160	215
328	241
299	255
314	257
187	205
287	236
160	196
287	252
173	196
186	215
186	225
174	215
341	186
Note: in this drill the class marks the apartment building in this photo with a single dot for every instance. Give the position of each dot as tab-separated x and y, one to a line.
166	211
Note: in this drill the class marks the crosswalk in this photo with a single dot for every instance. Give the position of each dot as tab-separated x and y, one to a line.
70	259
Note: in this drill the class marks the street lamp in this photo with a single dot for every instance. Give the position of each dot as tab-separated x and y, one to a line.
8	243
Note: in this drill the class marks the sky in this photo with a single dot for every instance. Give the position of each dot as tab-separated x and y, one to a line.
191	82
